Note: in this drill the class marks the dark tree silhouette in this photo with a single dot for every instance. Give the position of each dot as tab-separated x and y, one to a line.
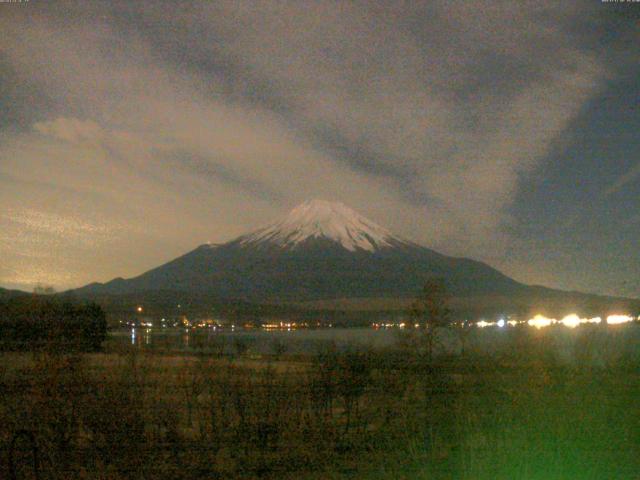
45	323
430	310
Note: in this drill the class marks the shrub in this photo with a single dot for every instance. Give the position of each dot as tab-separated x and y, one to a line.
38	323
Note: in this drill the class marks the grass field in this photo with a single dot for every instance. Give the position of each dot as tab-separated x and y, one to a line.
517	411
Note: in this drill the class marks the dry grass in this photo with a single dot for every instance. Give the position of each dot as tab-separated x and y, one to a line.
519	413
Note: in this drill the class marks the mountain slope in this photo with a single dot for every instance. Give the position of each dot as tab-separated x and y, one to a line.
6	294
326	251
320	250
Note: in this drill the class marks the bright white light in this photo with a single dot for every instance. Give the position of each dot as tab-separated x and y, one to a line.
501	322
483	324
571	321
540	321
617	319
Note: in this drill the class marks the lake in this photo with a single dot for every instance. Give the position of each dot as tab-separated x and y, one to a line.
258	341
594	344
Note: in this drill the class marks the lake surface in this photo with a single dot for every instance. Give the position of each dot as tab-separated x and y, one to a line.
295	341
593	344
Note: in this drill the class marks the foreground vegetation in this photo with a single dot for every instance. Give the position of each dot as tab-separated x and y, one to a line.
35	322
519	412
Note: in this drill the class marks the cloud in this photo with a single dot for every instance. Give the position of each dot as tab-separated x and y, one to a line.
53	224
453	125
199	121
622	181
71	130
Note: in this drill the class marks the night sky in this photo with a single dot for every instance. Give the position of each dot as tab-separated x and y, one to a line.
132	132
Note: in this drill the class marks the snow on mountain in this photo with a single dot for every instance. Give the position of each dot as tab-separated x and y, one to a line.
329	220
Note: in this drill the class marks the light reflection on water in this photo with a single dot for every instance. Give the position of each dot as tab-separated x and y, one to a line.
564	342
259	341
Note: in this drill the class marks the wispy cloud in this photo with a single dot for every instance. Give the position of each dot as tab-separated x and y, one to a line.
54	224
623	180
198	120
71	130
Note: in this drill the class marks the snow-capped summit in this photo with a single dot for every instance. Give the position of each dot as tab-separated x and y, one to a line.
328	220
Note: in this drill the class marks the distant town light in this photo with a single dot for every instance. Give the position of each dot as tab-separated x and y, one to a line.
483	324
617	319
540	321
571	321
139	309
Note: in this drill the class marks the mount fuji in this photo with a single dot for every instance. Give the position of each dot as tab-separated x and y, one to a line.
322	251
